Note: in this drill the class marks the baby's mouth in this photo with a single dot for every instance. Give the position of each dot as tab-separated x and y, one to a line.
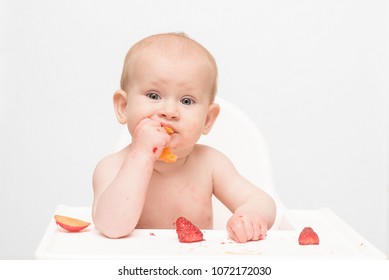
169	129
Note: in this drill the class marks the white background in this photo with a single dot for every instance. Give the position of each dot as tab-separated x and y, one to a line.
312	74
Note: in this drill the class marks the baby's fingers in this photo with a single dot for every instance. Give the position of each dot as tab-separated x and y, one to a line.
237	234
231	233
259	229
239	229
263	230
243	228
256	233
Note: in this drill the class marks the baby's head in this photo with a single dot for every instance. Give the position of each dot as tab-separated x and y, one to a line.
171	79
167	44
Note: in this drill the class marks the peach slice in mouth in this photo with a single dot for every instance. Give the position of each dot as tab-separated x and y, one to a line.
70	224
169	130
167	155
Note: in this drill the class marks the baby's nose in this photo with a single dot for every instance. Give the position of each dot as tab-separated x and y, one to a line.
169	111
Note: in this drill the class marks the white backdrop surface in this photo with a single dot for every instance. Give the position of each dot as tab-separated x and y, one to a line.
312	74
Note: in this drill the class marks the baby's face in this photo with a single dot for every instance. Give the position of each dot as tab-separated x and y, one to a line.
173	88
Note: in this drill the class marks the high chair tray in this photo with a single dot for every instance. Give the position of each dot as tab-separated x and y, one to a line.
337	241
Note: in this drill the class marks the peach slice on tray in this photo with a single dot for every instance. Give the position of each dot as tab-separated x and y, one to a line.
167	155
70	224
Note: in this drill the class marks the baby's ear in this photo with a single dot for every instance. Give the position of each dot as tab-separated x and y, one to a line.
213	112
120	104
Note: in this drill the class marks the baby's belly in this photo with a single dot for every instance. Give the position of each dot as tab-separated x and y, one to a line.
157	217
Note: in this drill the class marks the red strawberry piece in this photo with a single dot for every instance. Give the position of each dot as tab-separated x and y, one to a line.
308	237
187	232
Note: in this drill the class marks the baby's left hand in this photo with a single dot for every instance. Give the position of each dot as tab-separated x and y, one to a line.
246	227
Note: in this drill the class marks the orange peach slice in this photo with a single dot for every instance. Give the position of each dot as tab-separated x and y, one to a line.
169	130
167	155
70	224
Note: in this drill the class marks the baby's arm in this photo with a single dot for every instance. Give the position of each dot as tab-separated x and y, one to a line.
120	182
253	210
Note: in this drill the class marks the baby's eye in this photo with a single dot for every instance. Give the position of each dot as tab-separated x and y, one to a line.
153	95
187	101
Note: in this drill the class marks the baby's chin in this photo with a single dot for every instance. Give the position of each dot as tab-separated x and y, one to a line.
182	153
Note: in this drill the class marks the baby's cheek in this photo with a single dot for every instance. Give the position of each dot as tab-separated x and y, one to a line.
194	129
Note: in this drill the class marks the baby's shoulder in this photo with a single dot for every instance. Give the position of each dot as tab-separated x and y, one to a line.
214	160
110	163
209	154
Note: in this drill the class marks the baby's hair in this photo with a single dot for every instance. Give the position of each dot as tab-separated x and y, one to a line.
177	38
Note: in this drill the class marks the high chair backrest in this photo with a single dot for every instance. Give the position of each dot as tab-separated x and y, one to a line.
238	137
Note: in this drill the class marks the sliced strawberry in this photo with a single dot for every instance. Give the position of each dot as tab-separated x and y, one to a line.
308	237
187	232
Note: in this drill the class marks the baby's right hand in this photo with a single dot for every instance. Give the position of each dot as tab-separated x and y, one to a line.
150	138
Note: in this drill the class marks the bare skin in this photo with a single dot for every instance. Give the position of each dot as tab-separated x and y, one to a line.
134	189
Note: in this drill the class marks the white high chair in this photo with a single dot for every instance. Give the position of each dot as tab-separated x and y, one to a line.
234	134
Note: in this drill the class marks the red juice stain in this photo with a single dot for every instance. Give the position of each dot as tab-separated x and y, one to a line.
155	149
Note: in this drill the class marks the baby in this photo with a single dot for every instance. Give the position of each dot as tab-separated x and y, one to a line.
169	81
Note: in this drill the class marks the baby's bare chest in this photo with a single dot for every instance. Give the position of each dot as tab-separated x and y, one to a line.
180	195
